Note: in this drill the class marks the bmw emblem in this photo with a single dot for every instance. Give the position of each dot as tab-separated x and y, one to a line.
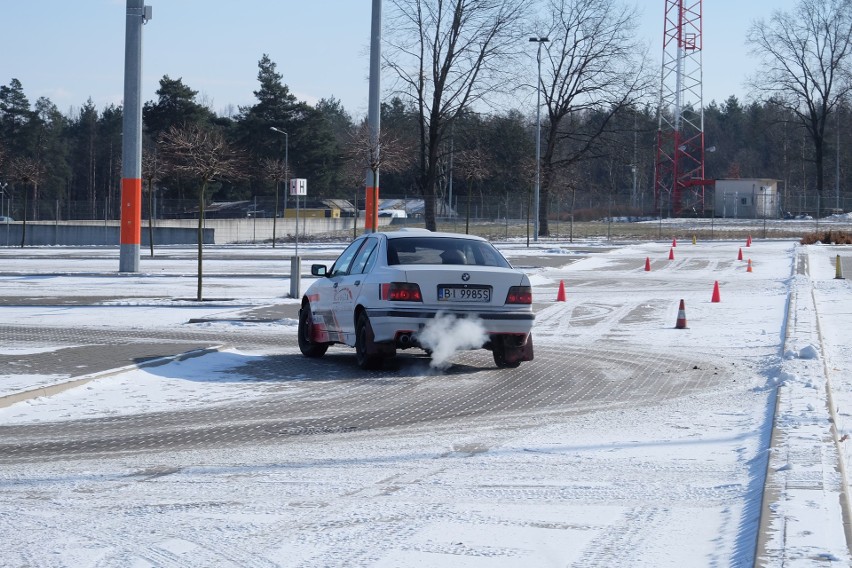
465	276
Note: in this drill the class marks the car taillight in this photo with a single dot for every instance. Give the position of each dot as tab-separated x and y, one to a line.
519	295
401	292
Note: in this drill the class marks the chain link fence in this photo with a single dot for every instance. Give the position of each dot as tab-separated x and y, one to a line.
513	206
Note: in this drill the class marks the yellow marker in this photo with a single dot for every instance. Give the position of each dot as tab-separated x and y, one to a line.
693	239
838	270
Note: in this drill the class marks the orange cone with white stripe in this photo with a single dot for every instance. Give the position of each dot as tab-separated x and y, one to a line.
681	317
749	266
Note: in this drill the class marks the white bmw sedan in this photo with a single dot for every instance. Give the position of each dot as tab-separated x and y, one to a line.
385	288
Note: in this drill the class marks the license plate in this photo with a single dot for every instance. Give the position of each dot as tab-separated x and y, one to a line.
451	293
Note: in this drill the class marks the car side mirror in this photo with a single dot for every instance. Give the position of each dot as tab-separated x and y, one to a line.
319	270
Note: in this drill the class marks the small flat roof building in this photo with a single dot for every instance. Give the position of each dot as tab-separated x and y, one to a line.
746	198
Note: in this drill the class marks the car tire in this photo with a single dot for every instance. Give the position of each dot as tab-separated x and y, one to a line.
363	343
308	347
505	357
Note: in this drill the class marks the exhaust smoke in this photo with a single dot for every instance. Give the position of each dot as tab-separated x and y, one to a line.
446	335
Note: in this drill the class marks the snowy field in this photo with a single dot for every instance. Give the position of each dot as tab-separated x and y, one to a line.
684	482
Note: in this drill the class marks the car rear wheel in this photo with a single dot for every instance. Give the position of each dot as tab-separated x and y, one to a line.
307	346
364	344
505	355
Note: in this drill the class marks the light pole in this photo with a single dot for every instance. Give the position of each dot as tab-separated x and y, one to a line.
295	261
286	182
3	187
837	167
130	233
374	116
540	41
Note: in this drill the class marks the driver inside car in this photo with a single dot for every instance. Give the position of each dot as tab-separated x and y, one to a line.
453	256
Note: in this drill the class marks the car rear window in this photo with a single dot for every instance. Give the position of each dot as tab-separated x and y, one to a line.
444	250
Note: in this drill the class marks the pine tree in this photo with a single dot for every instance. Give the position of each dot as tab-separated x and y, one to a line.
16	119
175	106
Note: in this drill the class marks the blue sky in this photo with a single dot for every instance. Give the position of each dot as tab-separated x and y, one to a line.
70	50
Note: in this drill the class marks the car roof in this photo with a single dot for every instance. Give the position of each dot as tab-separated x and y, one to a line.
416	232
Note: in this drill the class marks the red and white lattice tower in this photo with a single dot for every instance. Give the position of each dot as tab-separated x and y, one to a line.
679	171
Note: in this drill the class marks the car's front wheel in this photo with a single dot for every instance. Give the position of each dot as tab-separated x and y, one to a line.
367	359
307	346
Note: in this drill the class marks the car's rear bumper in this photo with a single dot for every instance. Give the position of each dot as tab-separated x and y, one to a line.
388	324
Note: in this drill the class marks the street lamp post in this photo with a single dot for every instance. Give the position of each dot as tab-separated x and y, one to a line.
536	203
3	195
286	181
295	261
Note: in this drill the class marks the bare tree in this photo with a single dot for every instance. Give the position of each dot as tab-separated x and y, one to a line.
806	68
362	153
203	153
27	171
526	168
277	171
473	166
448	56
593	64
353	176
152	171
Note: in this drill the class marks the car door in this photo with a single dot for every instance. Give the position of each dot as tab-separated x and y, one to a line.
325	294
349	287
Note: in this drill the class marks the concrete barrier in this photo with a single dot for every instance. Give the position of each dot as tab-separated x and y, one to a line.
69	233
170	231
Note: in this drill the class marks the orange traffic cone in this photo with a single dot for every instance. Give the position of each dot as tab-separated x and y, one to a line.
749	266
681	317
647	264
671	254
716	298
740	255
560	296
674	242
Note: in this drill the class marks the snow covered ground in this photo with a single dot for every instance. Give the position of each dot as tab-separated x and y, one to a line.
679	483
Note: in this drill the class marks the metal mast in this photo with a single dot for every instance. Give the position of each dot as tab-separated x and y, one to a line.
374	114
679	171
130	233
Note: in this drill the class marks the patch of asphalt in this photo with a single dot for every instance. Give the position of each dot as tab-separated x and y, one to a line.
50	390
298	396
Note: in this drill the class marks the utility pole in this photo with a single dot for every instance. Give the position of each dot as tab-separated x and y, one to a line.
537	205
371	213
837	167
130	230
